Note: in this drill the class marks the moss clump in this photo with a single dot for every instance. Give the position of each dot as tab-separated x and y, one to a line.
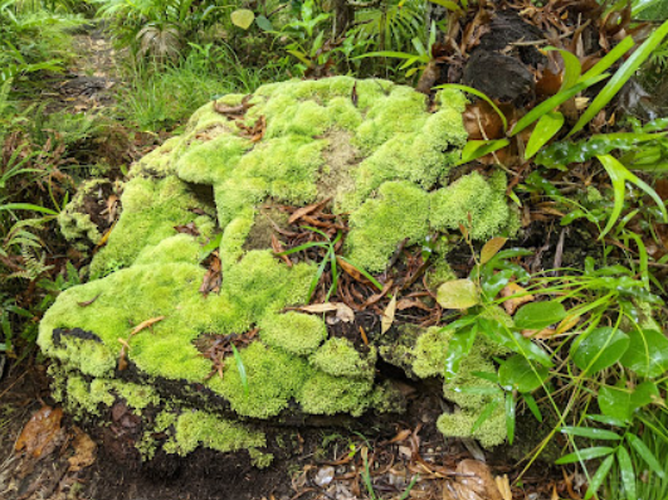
401	206
297	333
492	431
384	159
339	357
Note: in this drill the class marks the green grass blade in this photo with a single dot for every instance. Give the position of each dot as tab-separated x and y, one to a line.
335	275
554	101
621	76
316	279
533	406
485	414
627	473
572	68
28	206
547	127
477	93
241	368
591	433
305	246
609	59
510	417
364	273
478	148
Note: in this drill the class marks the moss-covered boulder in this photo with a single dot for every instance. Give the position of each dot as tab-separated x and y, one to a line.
150	331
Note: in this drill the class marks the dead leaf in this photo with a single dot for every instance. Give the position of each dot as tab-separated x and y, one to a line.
491	248
277	247
84	451
300	212
213	277
503	485
40	431
401	436
146	324
86	303
353	95
233	112
365	339
388	315
123	354
255	132
189	228
518	296
343	312
475	482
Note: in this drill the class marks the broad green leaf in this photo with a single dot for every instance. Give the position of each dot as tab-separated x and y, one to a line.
615	402
607	420
458	294
547	127
599	349
647	354
517	373
478	148
538	315
585	454
514	341
241	368
599	477
591	433
242	18
554	101
264	24
477	93
621	76
491	248
649	458
644	394
572	68
458	348
510	417
618	176
626	471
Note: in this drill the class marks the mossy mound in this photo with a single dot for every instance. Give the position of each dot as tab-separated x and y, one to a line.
384	158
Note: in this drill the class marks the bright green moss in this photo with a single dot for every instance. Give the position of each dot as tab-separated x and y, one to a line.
400	211
483	199
212	161
159	162
88	397
296	333
274	377
338	357
324	394
151	209
234	237
74	223
492	431
476	361
430	351
197	428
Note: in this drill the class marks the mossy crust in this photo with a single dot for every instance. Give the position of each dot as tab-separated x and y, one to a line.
384	160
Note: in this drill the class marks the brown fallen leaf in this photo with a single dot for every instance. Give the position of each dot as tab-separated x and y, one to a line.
256	132
40	431
387	318
233	112
123	355
277	247
343	312
189	228
503	485
146	324
84	451
518	296
214	275
401	436
475	482
86	303
300	212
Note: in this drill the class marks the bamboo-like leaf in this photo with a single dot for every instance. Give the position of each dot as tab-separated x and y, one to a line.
621	76
627	473
609	59
599	477
510	417
485	414
533	406
618	176
478	148
572	68
592	433
554	101
241	368
27	206
477	93
547	127
586	454
649	458
363	272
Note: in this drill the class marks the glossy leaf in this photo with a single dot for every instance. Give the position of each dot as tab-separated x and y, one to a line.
599	477
619	175
647	354
242	18
615	402
27	206
610	58
547	127
646	454
514	341
510	417
621	76
458	348
572	68
458	294
478	148
538	315
599	349
585	454
517	373
627	473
